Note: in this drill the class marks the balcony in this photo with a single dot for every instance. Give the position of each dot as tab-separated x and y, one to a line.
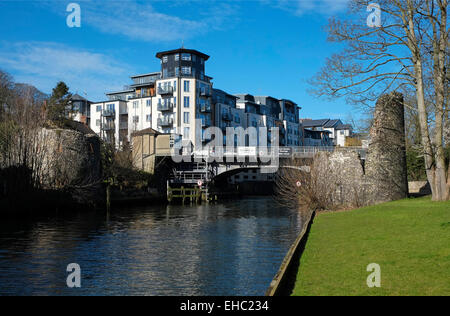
206	93
206	122
108	113
109	127
165	90
165	122
205	108
227	116
123	125
165	107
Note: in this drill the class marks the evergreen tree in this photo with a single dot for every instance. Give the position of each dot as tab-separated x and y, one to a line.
60	104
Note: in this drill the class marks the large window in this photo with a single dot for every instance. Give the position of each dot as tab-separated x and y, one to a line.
186	86
135	104
185	56
186	70
186	102
149	102
186	117
186	133
99	108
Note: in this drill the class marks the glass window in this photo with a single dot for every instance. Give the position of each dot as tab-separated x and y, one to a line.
135	104
177	71
174	86
97	122
165	59
186	70
186	102
149	102
99	108
186	133
148	118
186	86
135	119
185	56
177	57
186	117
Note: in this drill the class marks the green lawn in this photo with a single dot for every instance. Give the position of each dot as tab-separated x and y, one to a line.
409	239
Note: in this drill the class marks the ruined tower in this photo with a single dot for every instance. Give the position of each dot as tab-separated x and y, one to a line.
386	157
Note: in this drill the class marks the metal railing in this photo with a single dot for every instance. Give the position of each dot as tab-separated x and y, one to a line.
165	90
205	108
165	107
165	121
108	112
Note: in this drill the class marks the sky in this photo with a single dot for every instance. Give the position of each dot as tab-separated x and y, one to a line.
261	47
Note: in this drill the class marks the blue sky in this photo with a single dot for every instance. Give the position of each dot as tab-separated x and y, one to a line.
262	47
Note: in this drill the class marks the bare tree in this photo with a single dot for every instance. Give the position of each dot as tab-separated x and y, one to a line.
408	52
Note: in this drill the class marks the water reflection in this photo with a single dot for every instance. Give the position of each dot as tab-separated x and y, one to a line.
232	248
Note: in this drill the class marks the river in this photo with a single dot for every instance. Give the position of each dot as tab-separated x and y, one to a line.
228	248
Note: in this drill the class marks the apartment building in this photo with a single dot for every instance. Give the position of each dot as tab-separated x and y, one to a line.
336	130
168	101
173	98
81	109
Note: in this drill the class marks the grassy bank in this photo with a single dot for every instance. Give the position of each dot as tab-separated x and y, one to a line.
409	239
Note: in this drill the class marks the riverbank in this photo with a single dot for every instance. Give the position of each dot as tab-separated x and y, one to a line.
409	239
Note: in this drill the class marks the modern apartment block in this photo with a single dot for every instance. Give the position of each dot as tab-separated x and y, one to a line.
170	101
334	130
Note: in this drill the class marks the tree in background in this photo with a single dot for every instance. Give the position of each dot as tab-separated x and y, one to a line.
408	53
59	104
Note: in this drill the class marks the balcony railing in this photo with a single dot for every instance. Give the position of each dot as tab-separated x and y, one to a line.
205	93
165	107
205	108
165	90
109	127
227	116
109	113
206	122
123	125
167	121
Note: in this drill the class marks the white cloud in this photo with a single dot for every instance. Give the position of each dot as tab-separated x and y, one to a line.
140	20
43	64
323	7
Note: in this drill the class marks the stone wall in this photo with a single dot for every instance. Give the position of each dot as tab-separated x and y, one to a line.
386	156
383	176
73	163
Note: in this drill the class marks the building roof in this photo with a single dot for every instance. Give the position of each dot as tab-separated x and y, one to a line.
332	123
344	126
182	50
77	97
315	123
147	74
226	93
147	131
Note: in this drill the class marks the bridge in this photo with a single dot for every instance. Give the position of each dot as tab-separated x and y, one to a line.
201	167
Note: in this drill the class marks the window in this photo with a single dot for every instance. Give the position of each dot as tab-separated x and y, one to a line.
97	123
135	119
186	102
149	102
186	70
148	118
186	86
186	132
177	71
185	56
175	102
135	104
186	117
174	86
193	57
165	59
99	108
177	57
